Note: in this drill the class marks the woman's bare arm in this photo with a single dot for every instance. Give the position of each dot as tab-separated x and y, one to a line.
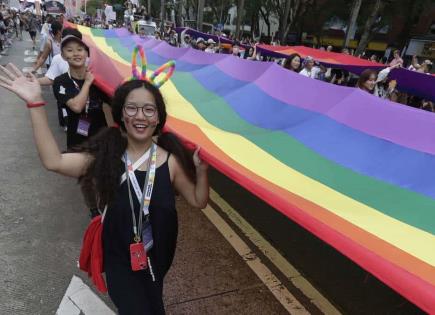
28	88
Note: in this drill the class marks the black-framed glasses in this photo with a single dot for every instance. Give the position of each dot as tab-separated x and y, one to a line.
148	110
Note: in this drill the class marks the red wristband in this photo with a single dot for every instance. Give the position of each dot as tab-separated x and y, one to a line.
36	104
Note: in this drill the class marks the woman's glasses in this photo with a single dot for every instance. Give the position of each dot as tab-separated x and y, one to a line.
148	110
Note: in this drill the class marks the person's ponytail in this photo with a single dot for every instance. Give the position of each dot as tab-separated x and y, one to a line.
173	145
103	173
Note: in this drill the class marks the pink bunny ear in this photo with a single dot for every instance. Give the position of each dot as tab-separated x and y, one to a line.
169	65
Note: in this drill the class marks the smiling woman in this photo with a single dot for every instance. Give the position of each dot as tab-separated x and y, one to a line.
139	228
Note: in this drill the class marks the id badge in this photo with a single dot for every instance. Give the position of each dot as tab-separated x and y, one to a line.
147	236
83	127
138	257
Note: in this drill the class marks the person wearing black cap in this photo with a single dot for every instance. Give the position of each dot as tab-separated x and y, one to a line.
83	100
58	67
75	90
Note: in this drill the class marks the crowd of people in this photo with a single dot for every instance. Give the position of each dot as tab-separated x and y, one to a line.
371	81
13	23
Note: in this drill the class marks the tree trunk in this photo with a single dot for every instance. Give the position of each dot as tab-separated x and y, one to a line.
265	16
200	14
294	13
180	12
284	20
350	32
412	9
162	15
365	38
149	7
240	9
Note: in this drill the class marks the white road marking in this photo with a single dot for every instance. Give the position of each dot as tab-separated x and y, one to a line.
31	59
288	301
275	257
80	299
29	52
40	71
27	69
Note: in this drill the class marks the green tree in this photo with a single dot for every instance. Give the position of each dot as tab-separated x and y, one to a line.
410	11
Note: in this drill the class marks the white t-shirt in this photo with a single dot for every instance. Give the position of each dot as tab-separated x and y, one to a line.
43	40
58	67
313	74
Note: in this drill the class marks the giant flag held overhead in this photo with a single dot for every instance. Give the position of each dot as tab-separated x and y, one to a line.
353	169
415	83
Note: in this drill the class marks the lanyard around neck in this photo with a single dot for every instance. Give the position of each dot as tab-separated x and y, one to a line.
136	164
143	197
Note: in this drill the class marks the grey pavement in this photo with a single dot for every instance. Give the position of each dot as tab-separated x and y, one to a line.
43	217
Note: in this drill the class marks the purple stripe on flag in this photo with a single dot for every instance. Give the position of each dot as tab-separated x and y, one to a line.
394	122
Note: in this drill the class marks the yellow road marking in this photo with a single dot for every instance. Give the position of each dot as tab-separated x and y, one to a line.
274	256
288	301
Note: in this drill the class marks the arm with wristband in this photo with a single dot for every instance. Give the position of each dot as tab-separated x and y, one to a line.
27	88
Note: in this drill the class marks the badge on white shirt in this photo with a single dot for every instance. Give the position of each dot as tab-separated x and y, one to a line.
61	90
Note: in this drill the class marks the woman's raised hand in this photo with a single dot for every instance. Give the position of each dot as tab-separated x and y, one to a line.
199	163
25	86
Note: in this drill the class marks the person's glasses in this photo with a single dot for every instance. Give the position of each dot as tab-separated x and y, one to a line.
148	110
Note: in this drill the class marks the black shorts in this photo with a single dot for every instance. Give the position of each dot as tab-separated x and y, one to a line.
32	34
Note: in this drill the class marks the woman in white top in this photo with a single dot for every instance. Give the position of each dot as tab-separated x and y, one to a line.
52	46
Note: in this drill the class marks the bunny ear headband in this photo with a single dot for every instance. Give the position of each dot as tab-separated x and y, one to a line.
170	66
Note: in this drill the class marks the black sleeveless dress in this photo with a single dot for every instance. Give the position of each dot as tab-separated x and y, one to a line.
134	292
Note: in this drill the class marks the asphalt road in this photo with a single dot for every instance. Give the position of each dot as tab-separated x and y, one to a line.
350	288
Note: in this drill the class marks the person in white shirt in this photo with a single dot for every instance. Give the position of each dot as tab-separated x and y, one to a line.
310	70
186	40
45	34
58	66
51	47
211	46
423	68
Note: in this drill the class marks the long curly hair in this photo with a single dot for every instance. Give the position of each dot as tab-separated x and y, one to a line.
107	147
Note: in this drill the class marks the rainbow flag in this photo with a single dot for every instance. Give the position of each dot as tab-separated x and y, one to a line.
354	170
413	82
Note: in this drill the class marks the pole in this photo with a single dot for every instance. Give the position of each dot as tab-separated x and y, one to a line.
180	13
240	8
222	12
162	15
200	15
173	12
